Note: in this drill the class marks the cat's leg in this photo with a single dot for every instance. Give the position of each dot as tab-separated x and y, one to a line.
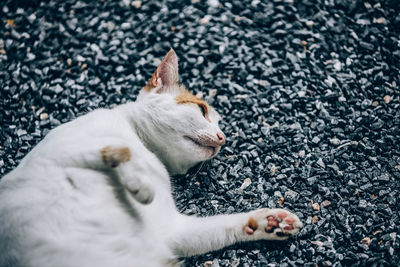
123	167
200	235
119	159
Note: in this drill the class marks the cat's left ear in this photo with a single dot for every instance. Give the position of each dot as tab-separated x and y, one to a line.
166	75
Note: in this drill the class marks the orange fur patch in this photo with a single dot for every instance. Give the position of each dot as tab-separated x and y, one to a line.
112	156
188	98
251	226
149	84
252	223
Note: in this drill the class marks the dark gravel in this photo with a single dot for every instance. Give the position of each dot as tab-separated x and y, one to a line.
309	91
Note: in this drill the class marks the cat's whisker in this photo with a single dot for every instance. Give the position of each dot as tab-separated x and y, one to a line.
197	168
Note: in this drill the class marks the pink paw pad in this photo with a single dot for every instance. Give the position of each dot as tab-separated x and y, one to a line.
281	214
274	222
290	220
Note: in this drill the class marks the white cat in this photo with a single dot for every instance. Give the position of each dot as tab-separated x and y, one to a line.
96	191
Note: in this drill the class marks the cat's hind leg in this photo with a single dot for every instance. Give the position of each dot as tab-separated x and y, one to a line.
119	159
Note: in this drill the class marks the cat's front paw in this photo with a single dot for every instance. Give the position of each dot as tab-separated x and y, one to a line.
119	158
272	224
140	191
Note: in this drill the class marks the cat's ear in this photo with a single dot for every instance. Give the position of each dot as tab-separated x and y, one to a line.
166	74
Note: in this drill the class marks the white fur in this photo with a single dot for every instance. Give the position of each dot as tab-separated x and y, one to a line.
63	207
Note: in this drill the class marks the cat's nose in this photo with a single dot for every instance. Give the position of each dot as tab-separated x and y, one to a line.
221	138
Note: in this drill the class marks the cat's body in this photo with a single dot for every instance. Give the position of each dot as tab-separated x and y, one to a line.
96	191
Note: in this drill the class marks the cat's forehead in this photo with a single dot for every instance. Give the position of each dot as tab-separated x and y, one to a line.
185	97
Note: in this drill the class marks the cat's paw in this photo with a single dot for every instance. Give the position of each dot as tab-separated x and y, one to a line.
140	191
113	157
272	224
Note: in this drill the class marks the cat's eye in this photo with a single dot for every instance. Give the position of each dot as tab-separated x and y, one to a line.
203	109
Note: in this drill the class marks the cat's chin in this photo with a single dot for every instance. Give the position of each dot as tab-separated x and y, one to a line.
209	151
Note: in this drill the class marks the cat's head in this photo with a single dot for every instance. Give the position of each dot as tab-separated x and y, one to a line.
182	129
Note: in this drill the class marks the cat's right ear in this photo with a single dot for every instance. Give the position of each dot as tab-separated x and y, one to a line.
166	75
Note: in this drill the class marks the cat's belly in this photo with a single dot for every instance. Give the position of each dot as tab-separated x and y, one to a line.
74	217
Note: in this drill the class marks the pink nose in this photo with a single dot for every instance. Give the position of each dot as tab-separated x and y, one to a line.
221	138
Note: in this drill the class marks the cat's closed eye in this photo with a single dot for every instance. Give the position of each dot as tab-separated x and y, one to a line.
203	109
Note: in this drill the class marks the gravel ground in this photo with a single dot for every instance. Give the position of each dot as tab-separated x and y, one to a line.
309	91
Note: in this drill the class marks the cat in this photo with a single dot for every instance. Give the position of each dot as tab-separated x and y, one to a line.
96	191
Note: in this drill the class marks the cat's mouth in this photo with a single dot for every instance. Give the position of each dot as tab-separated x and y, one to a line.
213	150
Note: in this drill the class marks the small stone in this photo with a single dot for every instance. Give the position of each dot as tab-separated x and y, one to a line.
30	56
380	20
119	69
80	58
273	169
291	195
242	96
312	180
208	264
136	4
334	141
337	65
318	243
302	153
384	177
315	140
315	206
21	132
43	116
212	93
125	26
205	20
321	163
309	23
327	263
10	22
387	99
362	203
246	183
367	46
366	240
325	203
213	3
363	21
314	219
200	94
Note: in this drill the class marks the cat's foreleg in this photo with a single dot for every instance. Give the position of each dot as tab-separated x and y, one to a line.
119	159
199	235
116	160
